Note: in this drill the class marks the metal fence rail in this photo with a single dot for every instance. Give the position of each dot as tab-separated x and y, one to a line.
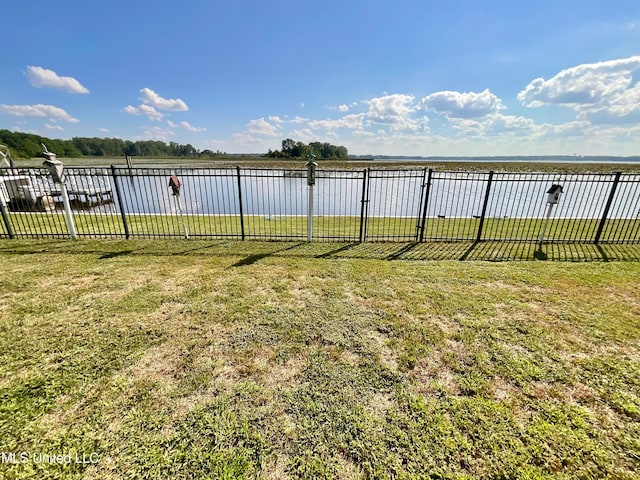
415	205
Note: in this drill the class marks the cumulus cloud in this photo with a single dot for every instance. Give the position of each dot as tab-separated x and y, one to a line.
42	77
54	127
245	138
495	125
261	127
390	107
462	104
149	97
39	110
157	133
603	92
343	108
147	110
303	135
186	126
353	121
191	128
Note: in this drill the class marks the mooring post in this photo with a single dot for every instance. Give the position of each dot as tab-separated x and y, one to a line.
553	195
56	168
311	181
67	210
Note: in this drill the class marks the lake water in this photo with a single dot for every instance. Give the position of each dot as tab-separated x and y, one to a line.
389	193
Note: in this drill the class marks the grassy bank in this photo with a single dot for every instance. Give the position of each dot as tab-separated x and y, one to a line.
332	228
171	359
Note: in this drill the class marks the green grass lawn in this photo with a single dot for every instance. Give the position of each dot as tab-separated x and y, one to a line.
332	228
228	359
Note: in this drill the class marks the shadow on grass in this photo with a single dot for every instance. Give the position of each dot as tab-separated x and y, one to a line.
122	253
251	259
254	251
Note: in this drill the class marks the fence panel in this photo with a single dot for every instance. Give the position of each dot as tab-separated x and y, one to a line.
518	207
349	205
275	204
578	213
93	202
337	201
455	205
31	200
395	200
623	222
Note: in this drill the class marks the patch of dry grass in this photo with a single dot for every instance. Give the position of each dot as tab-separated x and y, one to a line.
231	360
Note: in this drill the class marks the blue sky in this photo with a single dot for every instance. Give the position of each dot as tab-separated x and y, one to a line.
391	77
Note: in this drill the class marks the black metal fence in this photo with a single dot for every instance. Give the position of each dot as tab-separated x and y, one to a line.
414	205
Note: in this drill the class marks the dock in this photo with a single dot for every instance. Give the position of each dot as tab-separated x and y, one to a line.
27	192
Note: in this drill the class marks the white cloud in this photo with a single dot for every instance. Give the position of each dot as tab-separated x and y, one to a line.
41	77
261	127
343	108
186	126
104	130
191	128
39	110
603	92
304	135
157	133
275	119
147	110
462	104
54	127
393	110
494	125
353	121
149	97
390	107
245	138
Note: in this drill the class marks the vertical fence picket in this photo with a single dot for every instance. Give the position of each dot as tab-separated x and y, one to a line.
240	202
363	205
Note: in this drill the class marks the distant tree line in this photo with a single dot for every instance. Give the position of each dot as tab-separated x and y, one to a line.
293	149
27	145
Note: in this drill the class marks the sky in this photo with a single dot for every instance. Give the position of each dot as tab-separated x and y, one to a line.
397	77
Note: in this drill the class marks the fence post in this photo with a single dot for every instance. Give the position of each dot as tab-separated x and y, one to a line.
240	201
607	207
120	204
364	200
5	218
426	204
484	206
